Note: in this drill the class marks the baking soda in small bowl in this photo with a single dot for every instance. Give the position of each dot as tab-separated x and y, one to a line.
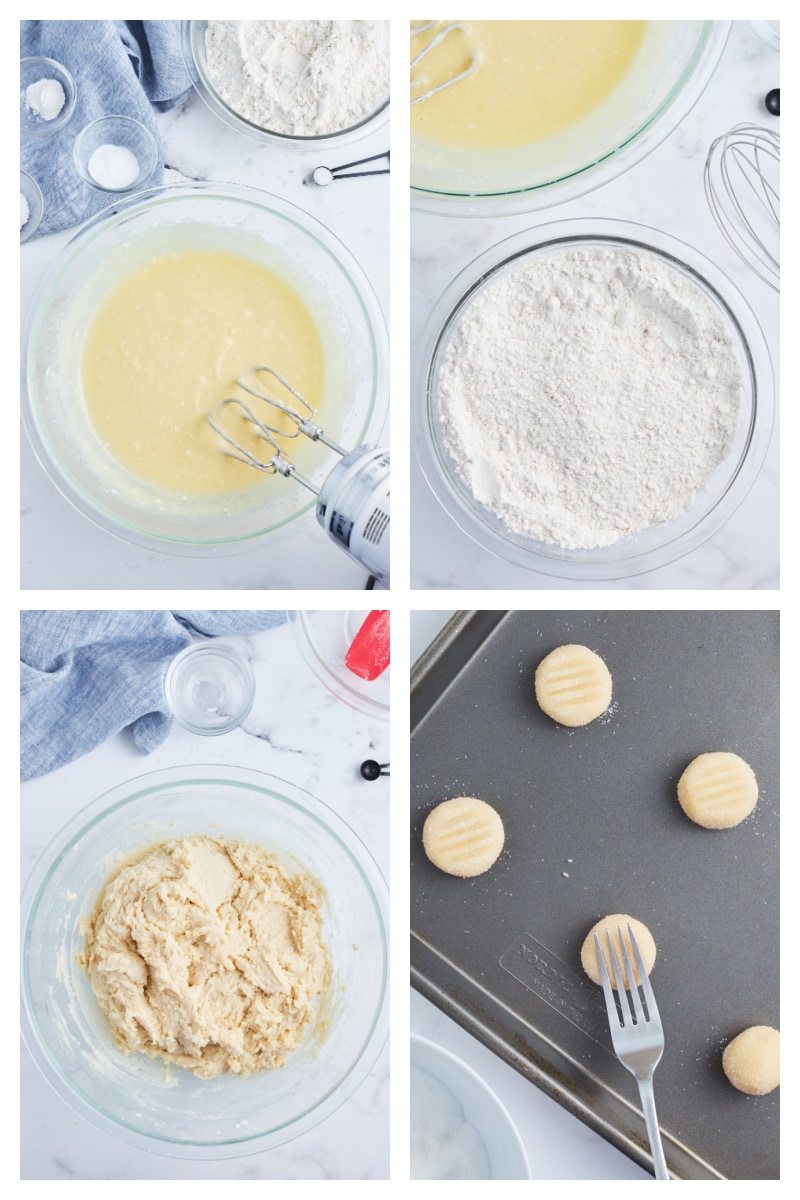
113	167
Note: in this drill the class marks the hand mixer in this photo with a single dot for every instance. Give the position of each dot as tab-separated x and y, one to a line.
353	501
447	30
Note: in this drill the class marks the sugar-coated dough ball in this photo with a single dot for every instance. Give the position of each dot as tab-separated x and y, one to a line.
752	1061
463	836
573	685
718	790
612	925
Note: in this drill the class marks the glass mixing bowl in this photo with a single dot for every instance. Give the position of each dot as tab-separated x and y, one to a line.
653	547
137	1098
670	73
323	637
194	56
243	221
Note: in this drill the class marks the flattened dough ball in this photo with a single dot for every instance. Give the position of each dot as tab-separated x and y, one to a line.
752	1061
718	790
463	836
573	685
612	925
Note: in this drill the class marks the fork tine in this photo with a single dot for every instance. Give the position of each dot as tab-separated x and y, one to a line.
647	987
615	966
608	991
630	974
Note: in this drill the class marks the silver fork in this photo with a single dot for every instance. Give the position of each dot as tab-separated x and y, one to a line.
637	1034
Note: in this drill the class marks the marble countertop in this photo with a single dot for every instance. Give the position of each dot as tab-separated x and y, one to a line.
664	191
299	732
59	547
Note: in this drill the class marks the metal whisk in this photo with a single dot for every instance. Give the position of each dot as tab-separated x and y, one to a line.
447	30
742	182
353	500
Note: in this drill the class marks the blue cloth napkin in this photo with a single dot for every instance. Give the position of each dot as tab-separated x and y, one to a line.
86	675
120	68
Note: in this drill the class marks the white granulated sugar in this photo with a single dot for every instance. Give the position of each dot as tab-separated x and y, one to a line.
589	395
300	77
46	98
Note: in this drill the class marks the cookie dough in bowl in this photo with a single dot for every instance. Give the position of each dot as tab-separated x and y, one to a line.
144	1098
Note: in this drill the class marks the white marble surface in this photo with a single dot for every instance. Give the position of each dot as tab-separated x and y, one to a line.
62	549
296	731
664	191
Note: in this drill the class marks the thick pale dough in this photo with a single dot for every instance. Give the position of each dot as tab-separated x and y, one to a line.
612	924
573	685
208	954
752	1061
718	790
463	836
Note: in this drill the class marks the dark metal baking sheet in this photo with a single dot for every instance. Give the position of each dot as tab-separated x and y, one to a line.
593	827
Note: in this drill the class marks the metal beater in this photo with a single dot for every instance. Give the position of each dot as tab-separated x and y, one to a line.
446	31
743	191
353	502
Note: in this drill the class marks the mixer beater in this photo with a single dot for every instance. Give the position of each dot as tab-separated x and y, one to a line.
448	28
353	501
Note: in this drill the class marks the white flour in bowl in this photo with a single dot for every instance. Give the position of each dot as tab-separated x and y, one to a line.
588	395
300	77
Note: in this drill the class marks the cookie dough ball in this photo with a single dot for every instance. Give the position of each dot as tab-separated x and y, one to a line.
752	1061
717	790
463	836
573	685
612	925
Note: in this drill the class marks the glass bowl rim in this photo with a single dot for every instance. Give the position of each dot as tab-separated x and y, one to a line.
119	209
249	779
70	100
594	174
205	89
539	557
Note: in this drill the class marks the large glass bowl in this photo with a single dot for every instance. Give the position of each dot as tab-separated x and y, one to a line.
244	221
194	55
653	547
670	73
135	1097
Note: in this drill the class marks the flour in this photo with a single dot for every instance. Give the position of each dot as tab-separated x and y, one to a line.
45	98
300	77
589	395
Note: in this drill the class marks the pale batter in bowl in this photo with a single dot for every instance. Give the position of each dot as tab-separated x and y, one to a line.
167	346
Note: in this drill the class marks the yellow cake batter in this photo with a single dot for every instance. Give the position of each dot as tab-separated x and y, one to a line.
208	954
167	345
534	79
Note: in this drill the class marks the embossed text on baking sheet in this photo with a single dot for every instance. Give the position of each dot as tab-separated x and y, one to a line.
543	973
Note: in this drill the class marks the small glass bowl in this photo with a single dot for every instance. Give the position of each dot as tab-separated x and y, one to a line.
652	547
139	1099
210	688
121	132
323	637
31	70
194	56
29	188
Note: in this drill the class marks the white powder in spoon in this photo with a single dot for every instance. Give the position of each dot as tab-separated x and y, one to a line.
588	395
300	77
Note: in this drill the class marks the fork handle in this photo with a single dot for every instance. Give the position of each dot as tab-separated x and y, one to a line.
653	1132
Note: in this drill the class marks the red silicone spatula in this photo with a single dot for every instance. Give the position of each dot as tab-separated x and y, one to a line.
368	656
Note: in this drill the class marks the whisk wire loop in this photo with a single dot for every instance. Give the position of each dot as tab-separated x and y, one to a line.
742	188
446	31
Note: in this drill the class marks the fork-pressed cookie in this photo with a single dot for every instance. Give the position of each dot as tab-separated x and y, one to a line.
573	685
463	836
612	925
718	790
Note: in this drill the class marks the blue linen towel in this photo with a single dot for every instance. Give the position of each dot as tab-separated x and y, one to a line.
87	674
120	68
